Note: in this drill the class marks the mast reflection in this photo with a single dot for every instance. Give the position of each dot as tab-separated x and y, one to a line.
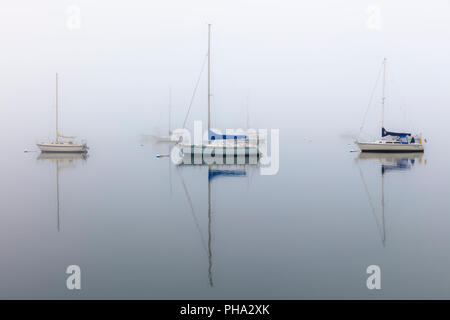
389	162
215	172
62	161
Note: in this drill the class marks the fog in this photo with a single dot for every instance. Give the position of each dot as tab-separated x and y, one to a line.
305	67
141	227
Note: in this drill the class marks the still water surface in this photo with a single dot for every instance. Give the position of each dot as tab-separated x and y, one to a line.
140	227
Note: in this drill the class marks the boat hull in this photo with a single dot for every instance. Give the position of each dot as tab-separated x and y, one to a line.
389	156
56	147
222	150
389	147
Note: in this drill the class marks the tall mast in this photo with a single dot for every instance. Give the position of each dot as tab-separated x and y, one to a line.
57	134
248	112
383	98
170	107
209	78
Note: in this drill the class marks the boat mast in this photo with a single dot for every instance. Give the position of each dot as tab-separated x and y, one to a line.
170	108
209	78
248	103
383	98
57	134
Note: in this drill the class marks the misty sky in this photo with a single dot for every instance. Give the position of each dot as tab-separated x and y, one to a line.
303	66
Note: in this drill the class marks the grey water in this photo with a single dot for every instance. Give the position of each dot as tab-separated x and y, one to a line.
141	227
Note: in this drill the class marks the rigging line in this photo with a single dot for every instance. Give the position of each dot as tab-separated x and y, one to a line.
195	90
192	210
370	100
370	202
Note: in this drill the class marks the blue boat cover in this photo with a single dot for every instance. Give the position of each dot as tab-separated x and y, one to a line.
385	133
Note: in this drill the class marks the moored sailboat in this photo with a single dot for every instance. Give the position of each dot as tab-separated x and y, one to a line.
61	145
391	141
221	144
169	137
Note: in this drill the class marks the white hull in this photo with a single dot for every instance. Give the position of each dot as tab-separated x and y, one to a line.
225	150
62	147
389	147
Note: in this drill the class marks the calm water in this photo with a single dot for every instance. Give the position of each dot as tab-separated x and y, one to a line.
139	226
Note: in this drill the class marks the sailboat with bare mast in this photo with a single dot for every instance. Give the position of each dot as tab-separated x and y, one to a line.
61	145
391	141
169	137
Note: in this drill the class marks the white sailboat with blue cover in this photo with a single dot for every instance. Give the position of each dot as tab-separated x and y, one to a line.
236	144
391	141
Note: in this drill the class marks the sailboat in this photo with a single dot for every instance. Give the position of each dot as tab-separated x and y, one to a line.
391	141
237	145
61	145
169	137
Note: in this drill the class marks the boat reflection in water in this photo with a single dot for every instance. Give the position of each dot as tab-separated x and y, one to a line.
62	161
389	162
215	172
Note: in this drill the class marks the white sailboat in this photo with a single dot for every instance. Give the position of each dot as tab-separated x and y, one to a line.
391	141
61	145
237	145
